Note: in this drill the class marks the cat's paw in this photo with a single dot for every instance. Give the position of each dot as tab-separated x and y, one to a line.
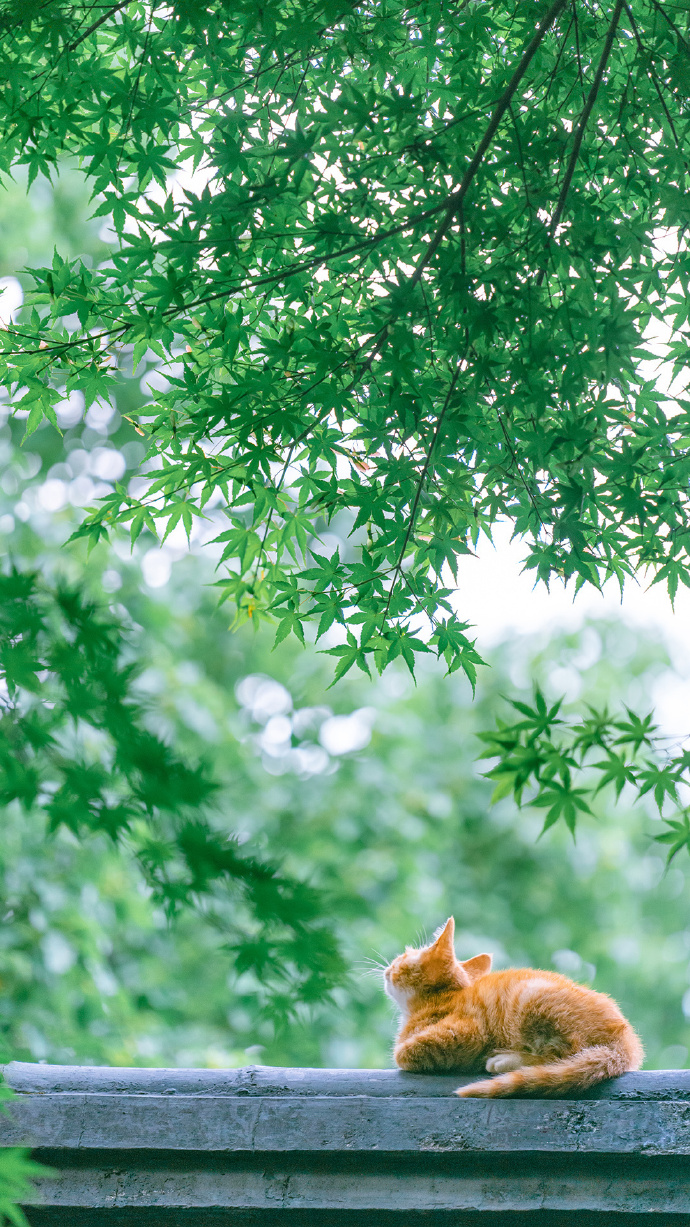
409	1058
504	1063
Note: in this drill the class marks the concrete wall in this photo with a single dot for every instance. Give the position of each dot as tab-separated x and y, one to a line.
321	1147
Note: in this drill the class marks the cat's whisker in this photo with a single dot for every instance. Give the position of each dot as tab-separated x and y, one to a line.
380	961
385	960
370	967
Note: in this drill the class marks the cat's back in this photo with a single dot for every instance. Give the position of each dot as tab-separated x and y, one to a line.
508	989
522	989
519	978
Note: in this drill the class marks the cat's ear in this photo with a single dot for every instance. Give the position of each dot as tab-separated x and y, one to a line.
444	937
478	966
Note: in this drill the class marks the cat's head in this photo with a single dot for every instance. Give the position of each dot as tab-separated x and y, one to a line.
420	973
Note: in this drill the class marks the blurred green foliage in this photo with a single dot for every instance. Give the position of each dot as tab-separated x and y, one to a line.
396	835
73	744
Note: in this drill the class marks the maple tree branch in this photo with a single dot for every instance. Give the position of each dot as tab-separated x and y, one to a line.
418	493
94	26
455	202
580	130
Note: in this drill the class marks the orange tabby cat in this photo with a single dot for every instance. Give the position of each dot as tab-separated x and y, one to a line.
541	1033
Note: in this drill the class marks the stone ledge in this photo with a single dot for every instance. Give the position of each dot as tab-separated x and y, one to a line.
26	1077
282	1144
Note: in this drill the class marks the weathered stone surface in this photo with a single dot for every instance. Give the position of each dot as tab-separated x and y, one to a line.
271	1124
255	1080
150	1145
289	1188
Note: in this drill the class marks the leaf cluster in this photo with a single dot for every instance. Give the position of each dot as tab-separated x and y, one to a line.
564	763
17	1172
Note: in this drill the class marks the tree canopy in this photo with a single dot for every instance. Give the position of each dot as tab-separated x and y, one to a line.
399	263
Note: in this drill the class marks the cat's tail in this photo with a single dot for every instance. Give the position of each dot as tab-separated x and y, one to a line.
575	1073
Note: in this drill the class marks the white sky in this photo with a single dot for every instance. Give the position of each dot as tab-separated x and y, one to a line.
501	600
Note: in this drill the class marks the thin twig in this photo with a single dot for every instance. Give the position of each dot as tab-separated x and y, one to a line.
652	73
577	51
659	8
580	130
92	28
455	202
418	493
